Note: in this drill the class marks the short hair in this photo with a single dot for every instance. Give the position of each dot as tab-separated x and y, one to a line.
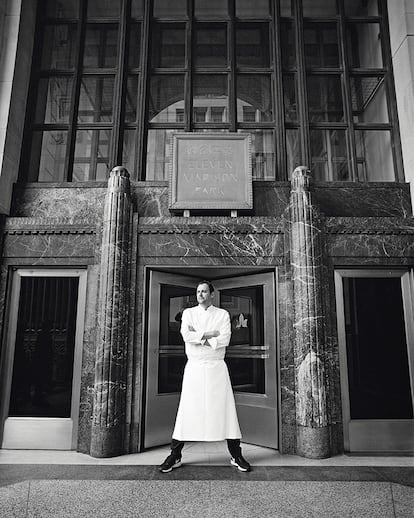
210	286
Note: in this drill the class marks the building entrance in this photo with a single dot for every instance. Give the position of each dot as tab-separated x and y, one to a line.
41	364
251	355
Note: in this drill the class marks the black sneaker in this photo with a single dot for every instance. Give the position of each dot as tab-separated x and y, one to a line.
240	463
170	463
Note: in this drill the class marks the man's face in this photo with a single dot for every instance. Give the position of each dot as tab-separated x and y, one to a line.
203	294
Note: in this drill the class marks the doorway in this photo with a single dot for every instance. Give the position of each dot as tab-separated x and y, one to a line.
250	357
376	346
41	367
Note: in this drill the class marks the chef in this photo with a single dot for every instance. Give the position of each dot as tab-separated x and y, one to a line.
207	410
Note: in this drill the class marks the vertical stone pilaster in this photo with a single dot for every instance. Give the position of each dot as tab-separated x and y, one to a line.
109	412
313	434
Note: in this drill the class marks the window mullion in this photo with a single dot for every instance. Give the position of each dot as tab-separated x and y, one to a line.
231	46
188	82
80	43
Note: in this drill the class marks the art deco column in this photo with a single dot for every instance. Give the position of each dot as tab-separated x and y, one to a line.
109	410
313	438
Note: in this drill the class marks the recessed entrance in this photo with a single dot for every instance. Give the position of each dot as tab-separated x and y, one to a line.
251	355
41	365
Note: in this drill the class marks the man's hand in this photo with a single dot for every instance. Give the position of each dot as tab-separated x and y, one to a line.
211	334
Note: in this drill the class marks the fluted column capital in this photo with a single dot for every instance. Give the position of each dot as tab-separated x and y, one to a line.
118	180
301	179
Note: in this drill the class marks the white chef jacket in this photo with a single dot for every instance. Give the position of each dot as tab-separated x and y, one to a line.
207	410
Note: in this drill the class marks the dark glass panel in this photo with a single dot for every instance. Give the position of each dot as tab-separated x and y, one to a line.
374	155
103	9
378	369
254	98
168	46
325	99
134	51
159	154
361	7
91	161
210	92
319	8
252	45
292	150
263	153
166	97
101	44
58	50
364	45
249	9
290	97
286	8
47	157
131	99
369	99
96	99
62	8
53	100
329	155
129	150
167	9
287	39
44	349
137	8
210	46
321	45
210	9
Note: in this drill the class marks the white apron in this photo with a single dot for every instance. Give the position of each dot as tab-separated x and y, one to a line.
207	410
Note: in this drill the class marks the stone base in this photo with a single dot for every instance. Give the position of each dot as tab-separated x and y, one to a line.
313	443
107	442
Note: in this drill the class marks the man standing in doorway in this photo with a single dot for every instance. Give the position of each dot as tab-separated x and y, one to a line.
207	410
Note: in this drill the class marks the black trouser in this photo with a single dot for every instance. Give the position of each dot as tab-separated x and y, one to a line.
233	446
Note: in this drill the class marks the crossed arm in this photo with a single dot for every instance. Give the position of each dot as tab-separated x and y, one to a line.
214	338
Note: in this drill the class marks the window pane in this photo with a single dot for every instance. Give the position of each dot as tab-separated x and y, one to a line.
361	7
319	8
249	9
128	151
364	45
167	9
252	45
287	38
62	8
210	94
292	150
91	161
96	99
137	8
101	44
286	8
131	99
263	154
210	46
325	98
329	155
47	157
53	100
369	100
321	45
134	56
168	48
254	98
378	367
374	155
159	154
58	50
103	9
210	9
289	96
166	98
44	349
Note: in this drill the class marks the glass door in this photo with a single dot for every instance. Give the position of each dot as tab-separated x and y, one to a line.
375	324
251	356
42	369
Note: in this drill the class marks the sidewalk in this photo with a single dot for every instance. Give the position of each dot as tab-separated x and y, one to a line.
70	484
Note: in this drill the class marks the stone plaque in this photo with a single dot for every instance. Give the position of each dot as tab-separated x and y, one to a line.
211	171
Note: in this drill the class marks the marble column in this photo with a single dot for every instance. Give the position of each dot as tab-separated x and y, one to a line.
306	257
109	409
